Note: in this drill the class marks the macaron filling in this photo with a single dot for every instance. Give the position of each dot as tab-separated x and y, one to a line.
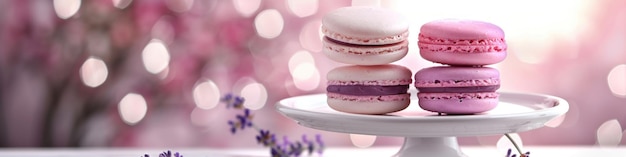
446	96
364	40
423	82
338	42
470	89
446	41
461	48
367	90
347	48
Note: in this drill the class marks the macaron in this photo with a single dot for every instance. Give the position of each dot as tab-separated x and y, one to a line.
364	54
462	42
376	89
457	90
364	35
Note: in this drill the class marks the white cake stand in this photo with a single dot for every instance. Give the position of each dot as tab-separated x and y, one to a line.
426	133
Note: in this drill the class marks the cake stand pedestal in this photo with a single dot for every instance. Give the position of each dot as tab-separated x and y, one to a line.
430	146
428	134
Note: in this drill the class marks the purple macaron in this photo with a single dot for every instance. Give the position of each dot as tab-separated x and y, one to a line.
457	90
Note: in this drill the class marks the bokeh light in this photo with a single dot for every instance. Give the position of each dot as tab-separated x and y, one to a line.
306	77
121	4
304	71
132	108
242	82
309	37
206	94
246	7
93	72
362	141
302	68
302	8
299	57
617	80
255	93
66	8
155	56
269	23
609	133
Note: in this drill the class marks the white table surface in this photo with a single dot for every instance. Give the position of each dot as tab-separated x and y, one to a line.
569	151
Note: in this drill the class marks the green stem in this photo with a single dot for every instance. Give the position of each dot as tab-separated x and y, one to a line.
514	144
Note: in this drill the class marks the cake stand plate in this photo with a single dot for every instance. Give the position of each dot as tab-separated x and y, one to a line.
428	134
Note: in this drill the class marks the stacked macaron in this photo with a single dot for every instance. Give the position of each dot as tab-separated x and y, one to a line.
369	39
376	89
365	35
466	86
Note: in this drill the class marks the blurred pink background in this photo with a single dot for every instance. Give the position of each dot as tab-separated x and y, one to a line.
149	73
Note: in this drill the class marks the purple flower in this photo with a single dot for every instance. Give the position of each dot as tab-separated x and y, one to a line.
233	126
167	153
509	153
228	97
320	142
295	149
265	137
233	101
278	152
238	103
245	119
242	121
310	146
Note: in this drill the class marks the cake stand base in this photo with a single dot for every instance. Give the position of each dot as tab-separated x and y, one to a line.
430	147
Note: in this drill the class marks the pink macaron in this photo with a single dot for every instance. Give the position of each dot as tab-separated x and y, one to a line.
377	89
462	42
365	35
457	90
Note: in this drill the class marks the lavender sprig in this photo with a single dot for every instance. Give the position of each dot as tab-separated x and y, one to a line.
311	144
265	137
167	153
243	121
233	101
509	153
